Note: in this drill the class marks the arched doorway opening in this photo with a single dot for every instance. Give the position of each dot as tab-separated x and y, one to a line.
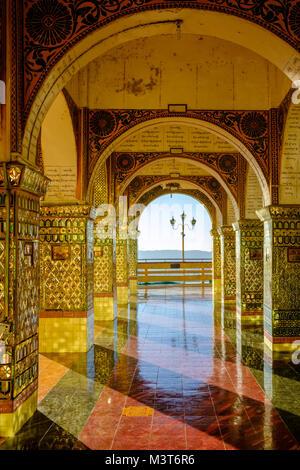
174	243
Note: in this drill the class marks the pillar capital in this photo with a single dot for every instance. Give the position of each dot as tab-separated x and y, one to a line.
14	175
226	231
248	224
214	232
84	211
282	212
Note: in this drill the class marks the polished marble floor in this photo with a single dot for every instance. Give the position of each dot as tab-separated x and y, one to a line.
165	375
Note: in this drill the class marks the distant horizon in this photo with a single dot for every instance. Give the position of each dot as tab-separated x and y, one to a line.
203	251
174	254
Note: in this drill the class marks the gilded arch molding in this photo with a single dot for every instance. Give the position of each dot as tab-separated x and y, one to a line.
227	165
180	119
207	185
230	168
249	127
157	191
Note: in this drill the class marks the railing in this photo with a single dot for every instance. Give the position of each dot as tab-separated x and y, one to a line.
173	271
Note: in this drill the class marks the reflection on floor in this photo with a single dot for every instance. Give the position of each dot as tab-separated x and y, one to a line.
164	375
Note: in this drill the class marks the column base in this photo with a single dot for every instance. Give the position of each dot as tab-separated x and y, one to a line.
14	415
66	331
133	286
104	307
122	295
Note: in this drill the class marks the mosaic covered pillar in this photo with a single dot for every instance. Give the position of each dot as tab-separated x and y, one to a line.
228	263
66	253
249	272
20	192
122	269
104	275
281	281
216	265
133	259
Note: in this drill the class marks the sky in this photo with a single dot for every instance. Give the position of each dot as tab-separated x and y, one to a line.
156	232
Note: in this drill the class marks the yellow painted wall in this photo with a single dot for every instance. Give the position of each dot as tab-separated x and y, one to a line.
200	71
231	217
162	137
253	197
59	152
289	191
174	166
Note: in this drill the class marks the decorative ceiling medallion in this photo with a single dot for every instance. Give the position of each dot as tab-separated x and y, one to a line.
125	162
227	163
294	20
137	183
49	22
253	125
102	123
213	184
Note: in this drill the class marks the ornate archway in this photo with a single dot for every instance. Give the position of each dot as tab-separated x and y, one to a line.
187	121
51	60
224	169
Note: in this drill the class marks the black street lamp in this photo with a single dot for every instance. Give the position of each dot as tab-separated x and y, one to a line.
173	222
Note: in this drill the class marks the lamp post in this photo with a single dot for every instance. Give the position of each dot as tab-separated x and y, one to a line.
173	222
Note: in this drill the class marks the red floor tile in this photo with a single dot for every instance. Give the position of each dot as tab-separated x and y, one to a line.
202	396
